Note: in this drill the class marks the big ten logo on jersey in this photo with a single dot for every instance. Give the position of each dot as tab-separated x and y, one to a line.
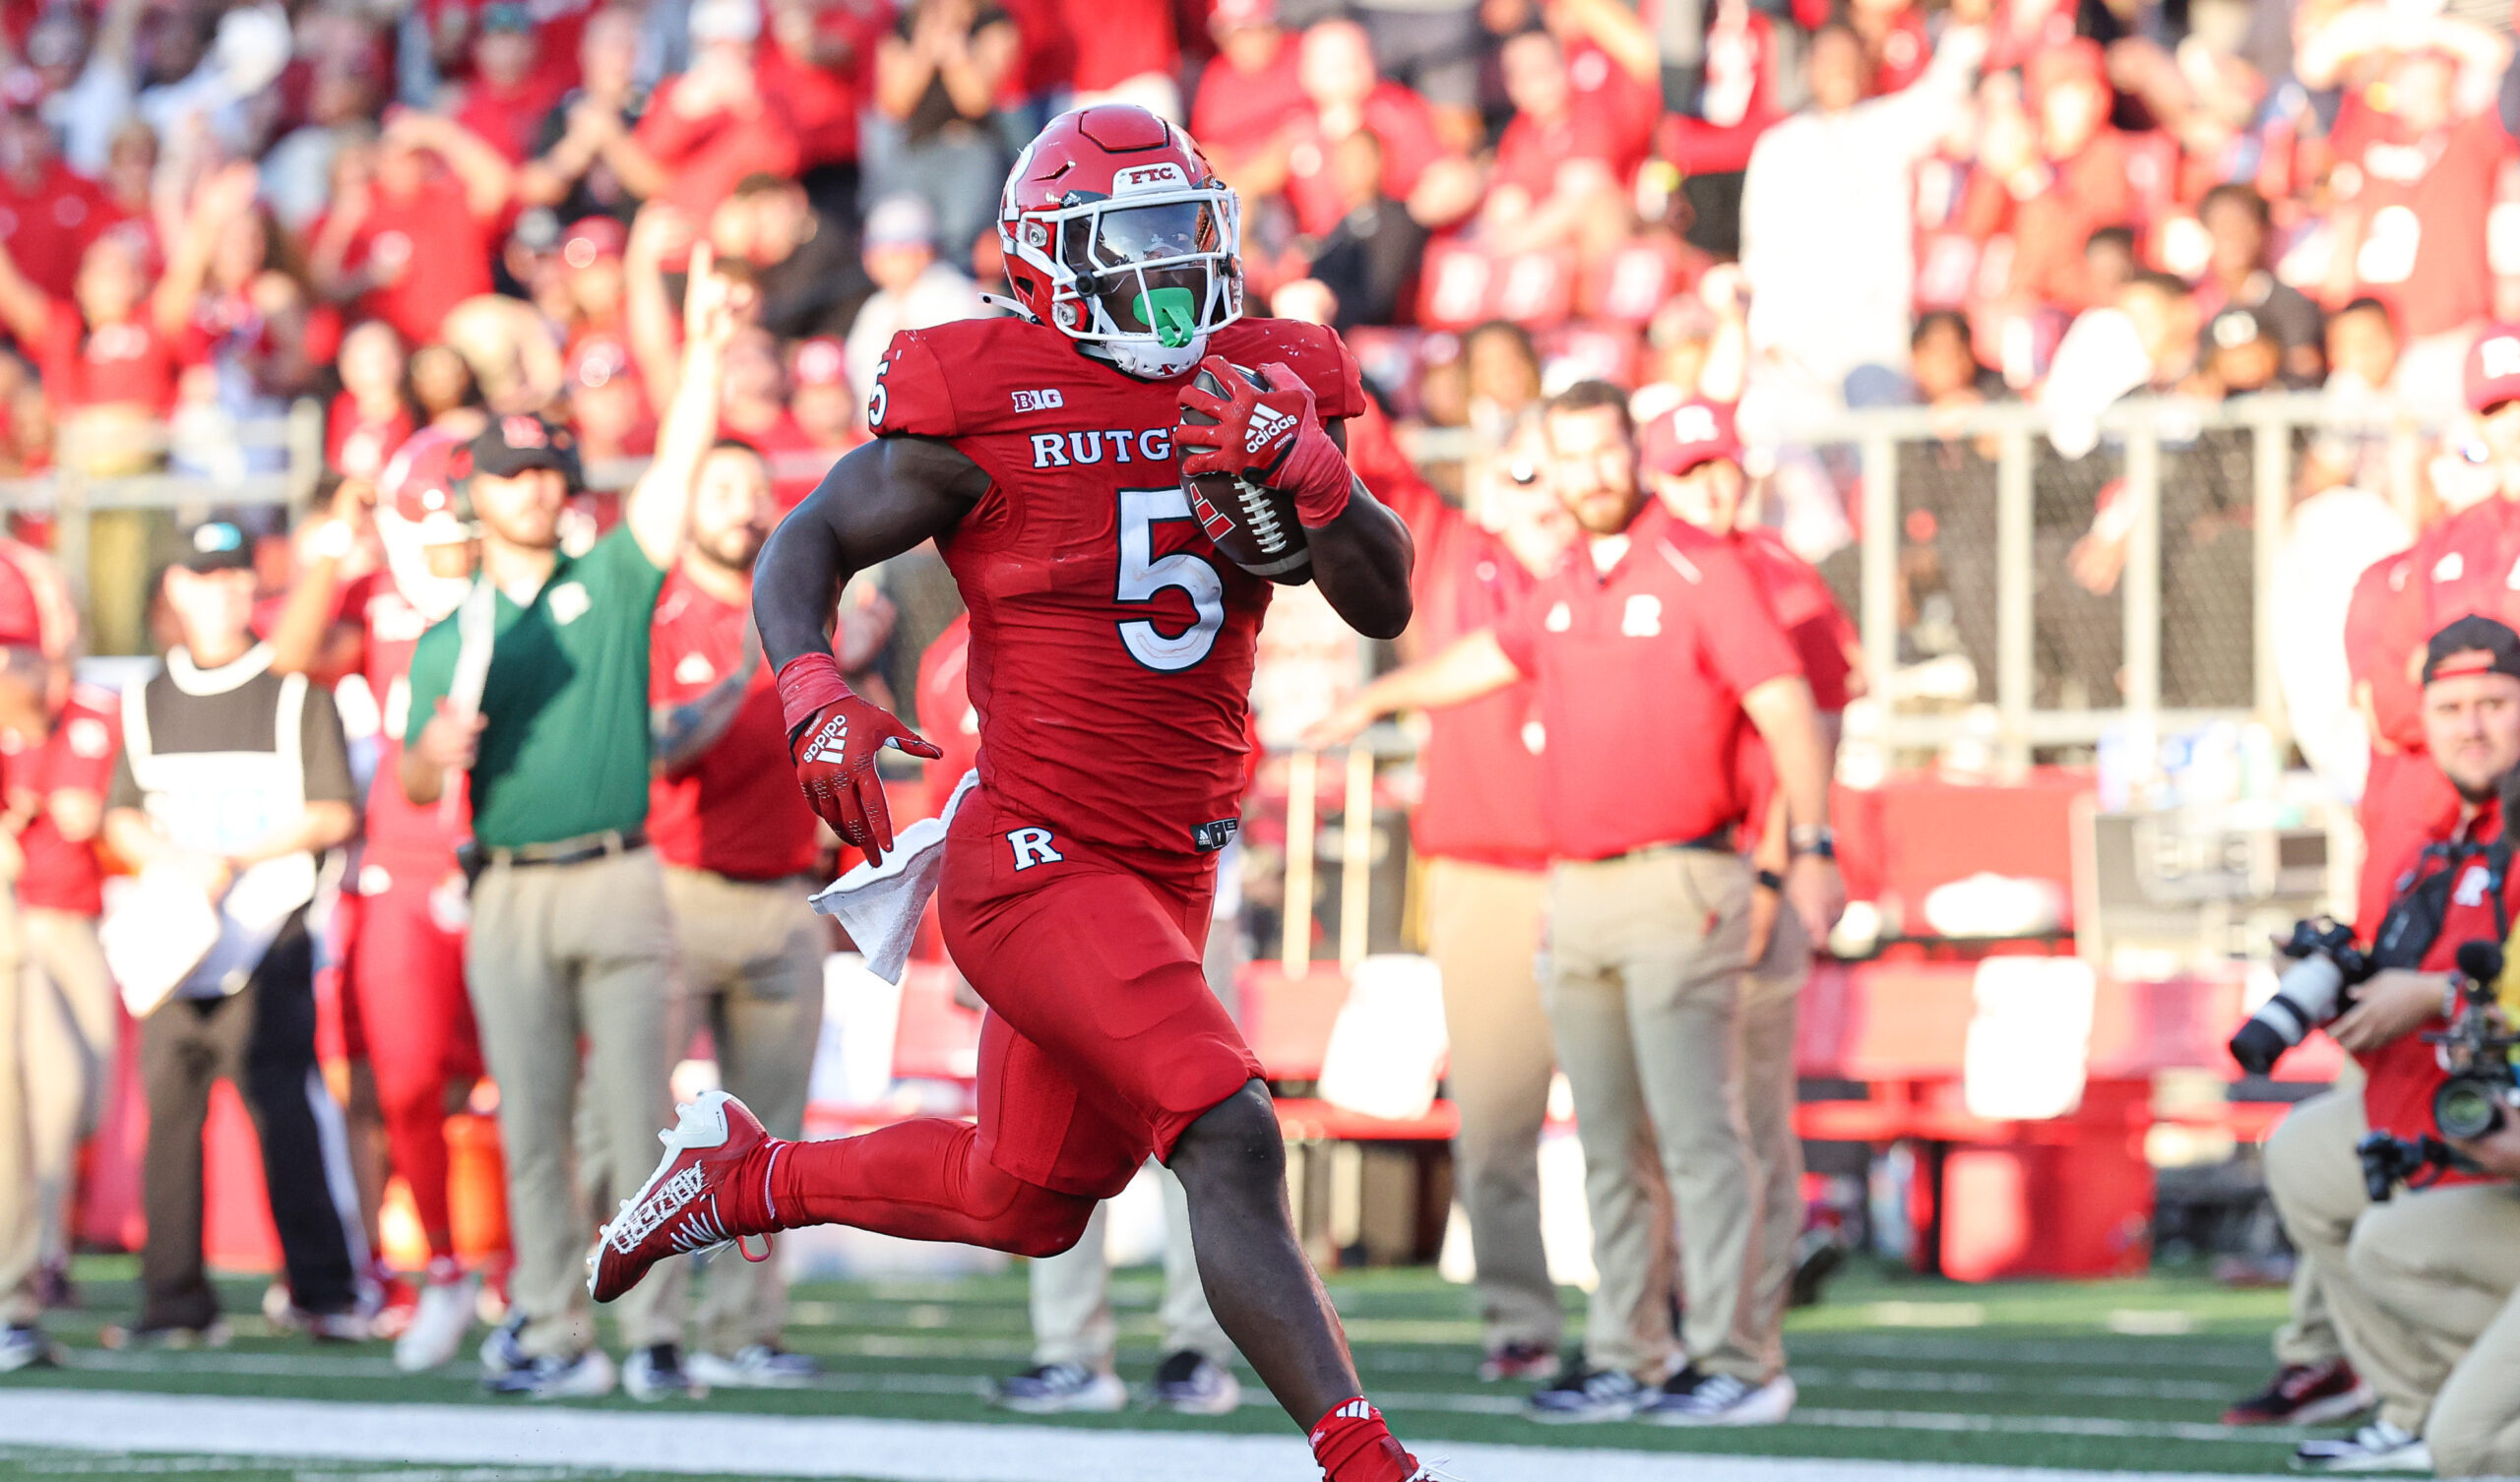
1069	450
1049	399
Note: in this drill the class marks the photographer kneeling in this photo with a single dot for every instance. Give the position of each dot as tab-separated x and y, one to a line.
2454	891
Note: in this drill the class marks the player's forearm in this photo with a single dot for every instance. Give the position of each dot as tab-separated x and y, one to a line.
1781	710
879	501
1360	561
801	567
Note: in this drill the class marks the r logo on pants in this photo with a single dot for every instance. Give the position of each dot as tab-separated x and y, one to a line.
1032	846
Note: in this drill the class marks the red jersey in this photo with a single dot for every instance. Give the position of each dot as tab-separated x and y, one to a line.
50	224
2423	199
734	809
1481	759
130	363
1642	669
357	446
1112	648
392	628
2469	563
1238	111
506	119
78	757
1404	123
445	250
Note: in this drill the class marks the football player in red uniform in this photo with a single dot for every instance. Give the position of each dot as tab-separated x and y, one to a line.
405	973
1111	664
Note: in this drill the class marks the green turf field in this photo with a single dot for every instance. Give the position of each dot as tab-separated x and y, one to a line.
2116	1375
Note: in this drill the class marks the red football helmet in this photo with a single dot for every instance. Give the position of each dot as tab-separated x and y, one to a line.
1116	232
420	503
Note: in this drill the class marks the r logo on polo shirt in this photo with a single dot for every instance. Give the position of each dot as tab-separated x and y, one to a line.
1643	617
695	669
2449	567
1560	618
569	603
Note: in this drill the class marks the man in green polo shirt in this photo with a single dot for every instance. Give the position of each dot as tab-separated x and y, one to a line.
571	935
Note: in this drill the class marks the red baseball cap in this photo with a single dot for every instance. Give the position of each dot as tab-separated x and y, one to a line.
1692	433
591	238
2494	368
820	361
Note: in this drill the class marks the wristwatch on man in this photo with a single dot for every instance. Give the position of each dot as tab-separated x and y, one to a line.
1813	838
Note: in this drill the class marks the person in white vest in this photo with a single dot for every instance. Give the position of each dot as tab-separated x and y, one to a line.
233	781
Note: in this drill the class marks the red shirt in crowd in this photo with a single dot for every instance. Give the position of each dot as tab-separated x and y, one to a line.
2423	199
508	118
49	225
445	250
1641	674
708	155
1236	112
1610	93
1530	154
1396	116
734	809
131	363
78	757
1482	760
355	445
1120	39
825	99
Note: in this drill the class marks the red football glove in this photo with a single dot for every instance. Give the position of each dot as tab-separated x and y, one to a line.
1272	437
833	737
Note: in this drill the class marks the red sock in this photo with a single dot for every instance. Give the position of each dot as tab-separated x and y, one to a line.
1352	1445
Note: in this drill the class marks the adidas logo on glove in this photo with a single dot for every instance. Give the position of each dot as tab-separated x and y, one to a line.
833	744
1267	426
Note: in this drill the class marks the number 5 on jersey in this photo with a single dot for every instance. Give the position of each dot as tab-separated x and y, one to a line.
1143	576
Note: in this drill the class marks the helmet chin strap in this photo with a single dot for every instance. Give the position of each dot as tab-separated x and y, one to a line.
1146	359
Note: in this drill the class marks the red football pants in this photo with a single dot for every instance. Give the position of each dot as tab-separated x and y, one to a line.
1101	1044
406	976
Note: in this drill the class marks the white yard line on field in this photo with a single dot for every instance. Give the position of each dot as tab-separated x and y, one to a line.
896	1450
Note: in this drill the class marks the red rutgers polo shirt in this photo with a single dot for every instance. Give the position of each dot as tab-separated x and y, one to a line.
1641	670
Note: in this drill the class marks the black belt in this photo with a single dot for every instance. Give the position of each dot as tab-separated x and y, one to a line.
560	852
1719	840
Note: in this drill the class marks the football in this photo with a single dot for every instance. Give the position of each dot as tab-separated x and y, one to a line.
1251	525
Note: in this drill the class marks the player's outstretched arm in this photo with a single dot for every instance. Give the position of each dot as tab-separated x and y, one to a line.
875	504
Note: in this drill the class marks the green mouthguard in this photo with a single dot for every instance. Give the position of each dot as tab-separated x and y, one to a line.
1171	313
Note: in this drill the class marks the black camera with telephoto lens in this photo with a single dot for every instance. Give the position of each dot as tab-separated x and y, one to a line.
2326	968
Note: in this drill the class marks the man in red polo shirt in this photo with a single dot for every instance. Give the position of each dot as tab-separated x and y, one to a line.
1652	650
1692	458
737	841
1485	844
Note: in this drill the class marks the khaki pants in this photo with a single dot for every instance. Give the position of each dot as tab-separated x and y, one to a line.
68	1031
1071	1293
1645	993
749	965
1771	1005
1483	928
2316	1183
2445	1263
1072	1320
21	1208
558	953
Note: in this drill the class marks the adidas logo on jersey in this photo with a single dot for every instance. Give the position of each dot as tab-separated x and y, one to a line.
1267	426
833	744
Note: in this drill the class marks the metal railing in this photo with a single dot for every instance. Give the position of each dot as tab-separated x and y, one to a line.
1983	502
73	494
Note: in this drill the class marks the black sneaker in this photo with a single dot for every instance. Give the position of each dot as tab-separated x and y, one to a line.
1060	1389
655	1373
2307	1395
1587	1396
1188	1382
